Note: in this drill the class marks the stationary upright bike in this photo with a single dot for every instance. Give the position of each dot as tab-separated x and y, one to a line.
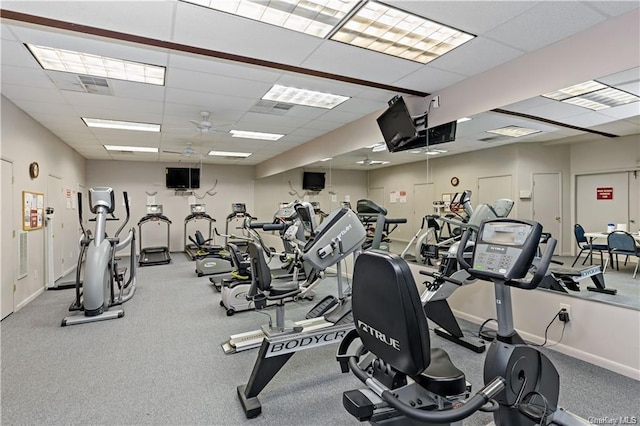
504	253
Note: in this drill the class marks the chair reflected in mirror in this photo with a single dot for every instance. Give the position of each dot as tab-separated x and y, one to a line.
622	243
586	245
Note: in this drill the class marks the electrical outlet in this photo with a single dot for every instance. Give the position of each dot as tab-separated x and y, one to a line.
565	314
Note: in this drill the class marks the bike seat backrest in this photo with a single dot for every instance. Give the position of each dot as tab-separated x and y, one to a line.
236	257
388	313
260	272
200	241
433	223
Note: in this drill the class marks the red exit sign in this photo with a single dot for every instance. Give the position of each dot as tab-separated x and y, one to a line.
604	193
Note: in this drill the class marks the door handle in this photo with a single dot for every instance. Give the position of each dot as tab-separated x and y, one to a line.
558	218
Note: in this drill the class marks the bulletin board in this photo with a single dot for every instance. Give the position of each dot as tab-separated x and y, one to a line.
32	210
447	197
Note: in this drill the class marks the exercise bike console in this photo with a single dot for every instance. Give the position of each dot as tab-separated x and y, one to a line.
505	250
504	254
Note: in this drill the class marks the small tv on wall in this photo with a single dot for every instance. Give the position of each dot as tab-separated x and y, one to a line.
399	128
182	178
313	181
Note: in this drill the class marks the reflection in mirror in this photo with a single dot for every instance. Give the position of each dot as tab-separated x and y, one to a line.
568	139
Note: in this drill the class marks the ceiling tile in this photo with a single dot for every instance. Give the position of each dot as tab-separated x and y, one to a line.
544	24
199	26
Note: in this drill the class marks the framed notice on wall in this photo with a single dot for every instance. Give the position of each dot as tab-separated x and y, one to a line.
32	210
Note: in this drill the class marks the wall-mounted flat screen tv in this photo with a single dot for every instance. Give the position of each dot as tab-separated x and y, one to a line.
313	181
182	178
442	134
398	128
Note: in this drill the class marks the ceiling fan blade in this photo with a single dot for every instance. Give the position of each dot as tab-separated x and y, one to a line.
172	152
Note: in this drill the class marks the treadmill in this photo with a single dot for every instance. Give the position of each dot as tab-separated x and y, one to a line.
154	255
198	212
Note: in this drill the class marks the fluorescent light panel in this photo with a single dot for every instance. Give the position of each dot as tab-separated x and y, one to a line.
54	59
327	159
230	154
382	28
292	95
372	162
314	17
435	151
592	95
575	90
379	147
513	131
463	119
255	135
121	125
130	148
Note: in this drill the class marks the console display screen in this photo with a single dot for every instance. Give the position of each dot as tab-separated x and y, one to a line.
508	235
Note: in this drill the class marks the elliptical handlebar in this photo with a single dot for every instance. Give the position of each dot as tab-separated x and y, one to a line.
126	219
274	226
541	270
460	253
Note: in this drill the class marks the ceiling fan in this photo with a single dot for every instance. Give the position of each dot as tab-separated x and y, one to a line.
204	125
369	162
188	151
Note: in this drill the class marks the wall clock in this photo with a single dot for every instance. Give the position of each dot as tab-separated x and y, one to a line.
34	170
455	181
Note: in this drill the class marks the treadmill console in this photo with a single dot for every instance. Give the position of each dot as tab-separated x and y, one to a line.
238	208
154	209
198	208
286	213
505	248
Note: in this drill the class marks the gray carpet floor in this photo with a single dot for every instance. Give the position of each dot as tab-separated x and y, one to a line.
162	364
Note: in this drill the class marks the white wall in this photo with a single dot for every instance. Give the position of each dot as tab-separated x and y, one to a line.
23	142
599	333
234	185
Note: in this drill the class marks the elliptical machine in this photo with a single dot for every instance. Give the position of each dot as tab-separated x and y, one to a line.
102	274
504	253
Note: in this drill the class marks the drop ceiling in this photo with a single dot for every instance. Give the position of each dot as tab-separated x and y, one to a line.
231	91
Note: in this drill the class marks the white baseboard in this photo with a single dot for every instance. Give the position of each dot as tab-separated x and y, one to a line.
26	301
616	367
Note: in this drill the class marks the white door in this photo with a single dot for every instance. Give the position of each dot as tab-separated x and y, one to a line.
423	203
9	245
602	199
492	188
55	200
547	204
